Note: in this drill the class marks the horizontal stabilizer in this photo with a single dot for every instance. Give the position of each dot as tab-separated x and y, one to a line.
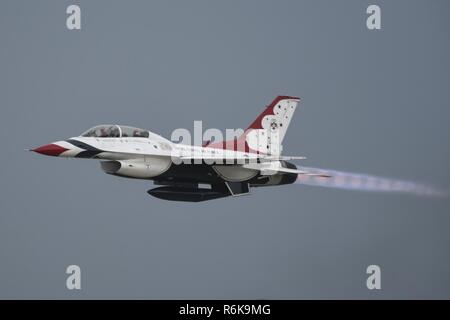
271	168
304	173
284	158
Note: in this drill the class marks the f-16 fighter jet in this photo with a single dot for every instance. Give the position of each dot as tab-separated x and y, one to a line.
185	172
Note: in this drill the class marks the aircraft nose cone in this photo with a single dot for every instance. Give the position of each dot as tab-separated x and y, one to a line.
50	150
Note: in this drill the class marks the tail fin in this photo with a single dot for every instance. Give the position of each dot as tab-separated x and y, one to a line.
277	115
267	132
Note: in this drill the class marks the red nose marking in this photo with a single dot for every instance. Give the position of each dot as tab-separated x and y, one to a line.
50	150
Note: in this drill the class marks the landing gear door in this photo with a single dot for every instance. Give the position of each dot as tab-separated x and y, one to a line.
238	188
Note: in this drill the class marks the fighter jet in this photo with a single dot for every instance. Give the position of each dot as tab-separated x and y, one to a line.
192	173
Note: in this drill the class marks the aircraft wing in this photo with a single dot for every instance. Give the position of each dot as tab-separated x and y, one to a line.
218	158
246	157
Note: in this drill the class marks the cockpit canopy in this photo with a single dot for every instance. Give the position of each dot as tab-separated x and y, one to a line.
115	131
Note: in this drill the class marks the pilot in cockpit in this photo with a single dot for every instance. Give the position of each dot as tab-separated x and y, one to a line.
103	133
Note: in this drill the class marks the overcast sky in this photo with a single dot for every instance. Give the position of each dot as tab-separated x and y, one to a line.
375	102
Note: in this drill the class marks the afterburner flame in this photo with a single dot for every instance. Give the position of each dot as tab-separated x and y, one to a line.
364	182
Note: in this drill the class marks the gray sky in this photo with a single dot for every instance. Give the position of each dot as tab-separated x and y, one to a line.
372	101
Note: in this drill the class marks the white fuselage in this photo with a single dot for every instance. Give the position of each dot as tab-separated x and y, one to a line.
121	148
